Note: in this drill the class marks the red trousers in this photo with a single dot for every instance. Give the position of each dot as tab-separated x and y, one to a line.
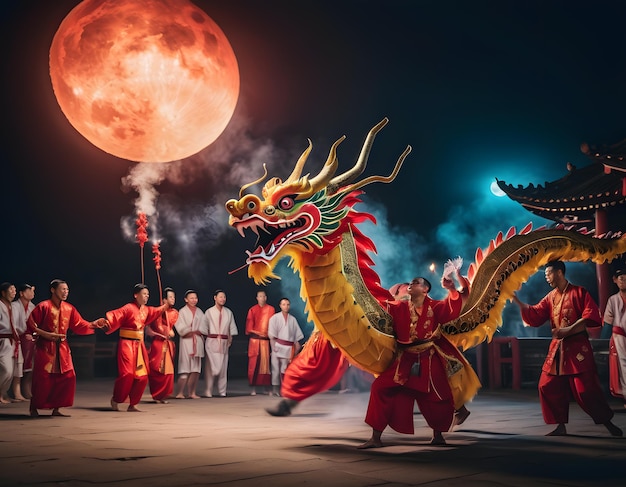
161	367
259	372
555	392
315	369
52	390
391	404
130	383
161	385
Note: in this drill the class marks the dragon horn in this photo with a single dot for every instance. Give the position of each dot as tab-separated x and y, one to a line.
246	186
295	174
350	175
328	171
381	179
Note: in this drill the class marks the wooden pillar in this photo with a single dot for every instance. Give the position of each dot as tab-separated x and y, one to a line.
603	271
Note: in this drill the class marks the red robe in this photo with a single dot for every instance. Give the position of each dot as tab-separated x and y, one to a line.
161	356
421	371
132	356
569	368
259	371
317	367
54	379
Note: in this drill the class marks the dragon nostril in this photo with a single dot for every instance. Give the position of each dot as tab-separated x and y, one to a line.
270	210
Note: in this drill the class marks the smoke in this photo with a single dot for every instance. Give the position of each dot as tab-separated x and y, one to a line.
407	252
184	200
189	219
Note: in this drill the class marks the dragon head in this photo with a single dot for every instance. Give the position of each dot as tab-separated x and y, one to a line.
301	215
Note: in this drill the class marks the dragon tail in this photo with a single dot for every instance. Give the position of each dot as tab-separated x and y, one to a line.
509	262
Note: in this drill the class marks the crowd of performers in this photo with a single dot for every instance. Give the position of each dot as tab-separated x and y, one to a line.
430	371
36	364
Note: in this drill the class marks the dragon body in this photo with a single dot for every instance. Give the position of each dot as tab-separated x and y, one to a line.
313	222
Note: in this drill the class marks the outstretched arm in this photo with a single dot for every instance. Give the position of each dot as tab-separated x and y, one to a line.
448	284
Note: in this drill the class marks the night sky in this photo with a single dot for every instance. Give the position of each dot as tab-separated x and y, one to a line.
480	90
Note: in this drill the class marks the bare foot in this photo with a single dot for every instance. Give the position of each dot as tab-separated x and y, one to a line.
114	406
133	409
195	396
371	443
161	401
614	430
19	399
4	401
558	431
56	412
179	396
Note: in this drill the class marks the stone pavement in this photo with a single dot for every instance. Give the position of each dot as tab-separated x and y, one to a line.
232	441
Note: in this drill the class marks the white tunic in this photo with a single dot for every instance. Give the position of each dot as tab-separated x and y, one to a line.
20	315
191	346
615	315
7	345
284	329
220	328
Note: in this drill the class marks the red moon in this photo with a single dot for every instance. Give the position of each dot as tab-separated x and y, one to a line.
149	81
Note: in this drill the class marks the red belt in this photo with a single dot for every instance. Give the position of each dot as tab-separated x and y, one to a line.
223	337
619	331
284	342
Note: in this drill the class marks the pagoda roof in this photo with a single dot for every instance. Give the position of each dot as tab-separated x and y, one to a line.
612	157
575	197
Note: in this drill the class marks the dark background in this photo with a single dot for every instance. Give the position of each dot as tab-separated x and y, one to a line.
506	89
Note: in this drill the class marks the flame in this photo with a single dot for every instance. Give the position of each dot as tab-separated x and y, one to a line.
432	267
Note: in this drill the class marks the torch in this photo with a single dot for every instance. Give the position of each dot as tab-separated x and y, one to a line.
142	237
157	265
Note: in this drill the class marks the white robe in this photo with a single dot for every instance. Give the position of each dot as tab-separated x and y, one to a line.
20	315
190	349
283	329
8	362
217	348
615	315
287	330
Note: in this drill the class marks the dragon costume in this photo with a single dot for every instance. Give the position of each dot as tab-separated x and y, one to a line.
312	220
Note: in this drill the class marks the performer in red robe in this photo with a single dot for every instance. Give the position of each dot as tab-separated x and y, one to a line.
132	356
425	367
54	379
569	368
162	350
317	367
259	372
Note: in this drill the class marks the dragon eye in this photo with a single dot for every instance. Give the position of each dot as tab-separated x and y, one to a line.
286	203
250	206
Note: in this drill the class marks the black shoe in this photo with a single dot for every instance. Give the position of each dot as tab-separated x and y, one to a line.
283	408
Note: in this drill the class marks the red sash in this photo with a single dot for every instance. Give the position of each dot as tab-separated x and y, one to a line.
614	369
